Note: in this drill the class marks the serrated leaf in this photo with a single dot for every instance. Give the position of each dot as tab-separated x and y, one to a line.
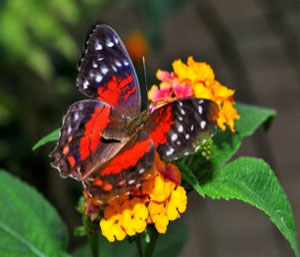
252	181
29	225
53	136
227	143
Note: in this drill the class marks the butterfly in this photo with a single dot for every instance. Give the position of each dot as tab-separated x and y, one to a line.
106	141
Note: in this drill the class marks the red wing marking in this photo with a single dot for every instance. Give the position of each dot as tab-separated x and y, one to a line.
110	93
66	150
91	138
114	89
163	122
71	160
107	187
128	158
98	183
124	82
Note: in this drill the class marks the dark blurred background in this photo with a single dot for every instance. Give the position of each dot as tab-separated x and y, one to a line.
253	47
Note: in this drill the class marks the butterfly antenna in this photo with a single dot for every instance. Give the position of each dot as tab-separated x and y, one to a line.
145	78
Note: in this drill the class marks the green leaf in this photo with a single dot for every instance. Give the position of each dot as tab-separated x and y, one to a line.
190	177
252	117
29	225
227	143
252	181
53	136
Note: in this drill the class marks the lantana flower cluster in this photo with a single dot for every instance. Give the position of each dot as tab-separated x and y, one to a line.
159	200
195	79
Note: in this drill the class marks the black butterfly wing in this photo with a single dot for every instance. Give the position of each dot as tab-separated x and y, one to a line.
107	73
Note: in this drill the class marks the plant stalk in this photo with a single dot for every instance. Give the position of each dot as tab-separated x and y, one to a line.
150	247
93	241
139	245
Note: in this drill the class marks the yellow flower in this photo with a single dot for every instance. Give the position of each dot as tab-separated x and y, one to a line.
194	71
134	216
158	215
177	203
111	224
158	188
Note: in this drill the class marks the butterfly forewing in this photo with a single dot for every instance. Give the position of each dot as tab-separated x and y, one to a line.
106	72
180	127
81	144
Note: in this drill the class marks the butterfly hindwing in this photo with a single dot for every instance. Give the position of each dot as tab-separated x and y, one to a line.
123	173
180	127
106	72
81	143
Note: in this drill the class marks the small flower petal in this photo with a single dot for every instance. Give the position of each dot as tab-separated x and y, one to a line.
177	203
159	216
159	189
110	224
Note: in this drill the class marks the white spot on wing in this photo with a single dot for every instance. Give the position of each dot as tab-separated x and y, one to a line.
100	59
114	68
95	65
104	69
182	111
131	181
76	116
85	84
118	63
174	137
187	136
98	46
125	62
200	101
180	128
116	39
180	103
69	130
200	110
109	43
203	124
141	171
98	78
178	143
180	118
170	152
192	127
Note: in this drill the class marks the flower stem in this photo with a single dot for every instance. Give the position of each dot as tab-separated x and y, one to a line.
139	245
93	241
153	238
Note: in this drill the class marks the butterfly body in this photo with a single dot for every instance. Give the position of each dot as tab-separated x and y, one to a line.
107	142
